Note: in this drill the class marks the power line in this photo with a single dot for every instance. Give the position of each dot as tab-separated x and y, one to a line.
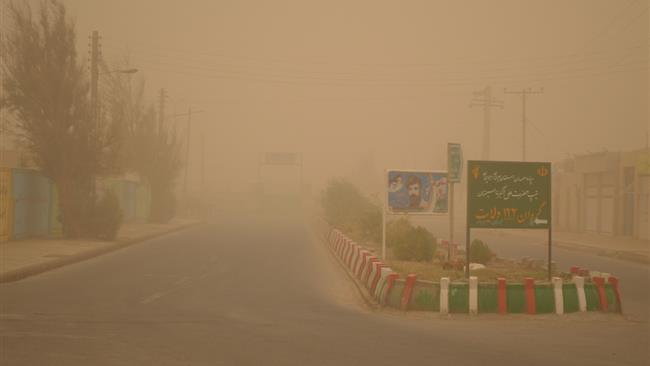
524	94
487	102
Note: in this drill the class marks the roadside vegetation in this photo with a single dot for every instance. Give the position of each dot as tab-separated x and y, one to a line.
413	249
73	140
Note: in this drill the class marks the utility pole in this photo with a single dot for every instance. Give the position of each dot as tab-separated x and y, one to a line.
203	163
486	101
161	111
188	134
94	76
524	94
187	147
94	100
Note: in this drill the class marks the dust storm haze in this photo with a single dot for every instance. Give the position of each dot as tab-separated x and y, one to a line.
361	86
239	182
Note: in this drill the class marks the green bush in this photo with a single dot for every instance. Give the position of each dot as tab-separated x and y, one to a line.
347	209
107	217
479	252
370	223
409	242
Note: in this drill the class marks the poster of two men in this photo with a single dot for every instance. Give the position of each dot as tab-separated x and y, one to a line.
417	192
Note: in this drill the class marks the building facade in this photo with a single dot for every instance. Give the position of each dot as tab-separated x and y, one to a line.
605	193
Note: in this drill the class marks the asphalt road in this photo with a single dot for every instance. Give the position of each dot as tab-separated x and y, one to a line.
264	291
634	277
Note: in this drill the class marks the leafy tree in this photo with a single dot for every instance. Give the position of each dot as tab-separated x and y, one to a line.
346	208
156	156
480	252
149	148
46	89
409	242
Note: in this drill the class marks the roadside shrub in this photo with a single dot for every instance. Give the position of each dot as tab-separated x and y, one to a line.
107	217
347	208
410	243
479	252
370	223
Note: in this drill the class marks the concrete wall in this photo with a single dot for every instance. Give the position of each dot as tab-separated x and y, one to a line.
604	193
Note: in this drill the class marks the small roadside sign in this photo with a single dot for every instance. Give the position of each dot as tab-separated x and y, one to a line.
454	162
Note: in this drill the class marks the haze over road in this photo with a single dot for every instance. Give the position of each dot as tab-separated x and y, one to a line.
266	291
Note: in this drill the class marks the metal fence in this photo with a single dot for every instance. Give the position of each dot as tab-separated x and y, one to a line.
29	203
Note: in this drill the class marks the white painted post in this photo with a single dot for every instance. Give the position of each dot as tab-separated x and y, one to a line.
355	257
357	265
473	295
559	296
373	273
444	295
385	271
580	286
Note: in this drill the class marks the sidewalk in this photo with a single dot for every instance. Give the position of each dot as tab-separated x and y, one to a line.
624	248
24	258
617	247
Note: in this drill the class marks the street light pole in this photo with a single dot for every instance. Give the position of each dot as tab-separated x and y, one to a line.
95	55
188	133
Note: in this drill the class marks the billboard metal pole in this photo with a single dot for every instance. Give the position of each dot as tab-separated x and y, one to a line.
454	173
451	219
550	230
383	234
467	230
383	220
550	267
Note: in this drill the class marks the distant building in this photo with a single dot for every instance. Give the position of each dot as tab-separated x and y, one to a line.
605	193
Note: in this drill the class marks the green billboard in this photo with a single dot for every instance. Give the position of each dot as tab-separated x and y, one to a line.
508	195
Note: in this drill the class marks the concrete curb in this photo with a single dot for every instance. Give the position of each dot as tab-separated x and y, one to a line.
28	271
330	239
472	297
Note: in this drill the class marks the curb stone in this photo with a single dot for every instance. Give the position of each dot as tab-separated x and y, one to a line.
473	297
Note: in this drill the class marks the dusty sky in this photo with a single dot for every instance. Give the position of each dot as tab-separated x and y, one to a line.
359	86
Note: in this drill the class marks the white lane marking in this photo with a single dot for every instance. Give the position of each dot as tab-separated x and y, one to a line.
181	281
151	298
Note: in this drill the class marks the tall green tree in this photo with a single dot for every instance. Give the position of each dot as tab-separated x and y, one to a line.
47	90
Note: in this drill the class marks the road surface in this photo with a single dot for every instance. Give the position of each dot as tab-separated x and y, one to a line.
264	291
634	277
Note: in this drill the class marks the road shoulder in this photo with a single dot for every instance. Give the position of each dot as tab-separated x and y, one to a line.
25	258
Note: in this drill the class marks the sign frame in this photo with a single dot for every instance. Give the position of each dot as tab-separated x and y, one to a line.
541	192
415	213
549	227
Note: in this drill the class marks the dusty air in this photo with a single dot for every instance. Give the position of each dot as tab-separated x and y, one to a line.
324	182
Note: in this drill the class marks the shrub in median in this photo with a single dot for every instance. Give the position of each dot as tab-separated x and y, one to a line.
346	208
410	243
479	252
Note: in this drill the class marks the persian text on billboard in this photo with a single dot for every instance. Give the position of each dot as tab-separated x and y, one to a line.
509	195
